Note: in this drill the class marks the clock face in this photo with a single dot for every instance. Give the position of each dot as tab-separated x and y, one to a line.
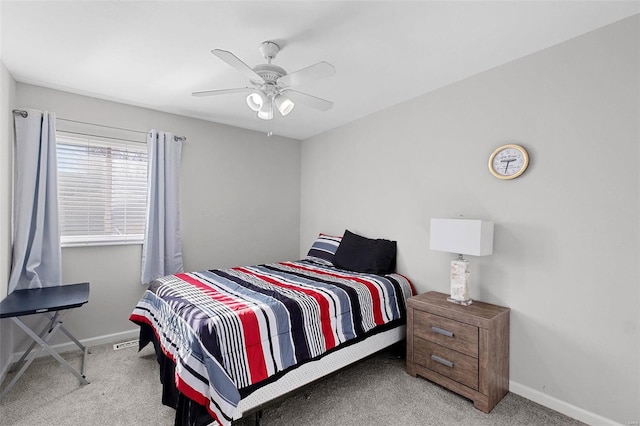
508	161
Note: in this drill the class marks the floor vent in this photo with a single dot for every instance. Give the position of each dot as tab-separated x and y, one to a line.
124	345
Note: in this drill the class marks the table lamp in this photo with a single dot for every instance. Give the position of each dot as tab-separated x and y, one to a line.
465	237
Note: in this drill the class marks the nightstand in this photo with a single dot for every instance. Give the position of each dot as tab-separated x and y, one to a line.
463	348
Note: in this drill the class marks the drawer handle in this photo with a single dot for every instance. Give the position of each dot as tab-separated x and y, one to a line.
442	361
441	331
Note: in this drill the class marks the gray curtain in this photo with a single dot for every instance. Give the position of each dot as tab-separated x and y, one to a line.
36	237
162	250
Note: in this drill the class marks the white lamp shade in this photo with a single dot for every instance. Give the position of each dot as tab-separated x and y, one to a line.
256	100
462	236
266	113
284	104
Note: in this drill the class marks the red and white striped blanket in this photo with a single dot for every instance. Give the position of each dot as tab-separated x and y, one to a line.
228	330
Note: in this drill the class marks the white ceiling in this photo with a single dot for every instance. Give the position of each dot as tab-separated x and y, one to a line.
154	54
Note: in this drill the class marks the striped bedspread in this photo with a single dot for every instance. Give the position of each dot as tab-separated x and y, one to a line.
228	330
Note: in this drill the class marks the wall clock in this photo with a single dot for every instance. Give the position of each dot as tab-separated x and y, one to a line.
508	161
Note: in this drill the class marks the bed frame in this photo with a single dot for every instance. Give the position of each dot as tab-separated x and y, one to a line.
314	371
285	386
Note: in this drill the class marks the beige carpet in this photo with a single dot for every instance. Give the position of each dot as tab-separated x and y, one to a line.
125	390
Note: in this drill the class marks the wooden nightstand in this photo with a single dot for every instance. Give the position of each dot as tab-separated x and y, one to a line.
463	348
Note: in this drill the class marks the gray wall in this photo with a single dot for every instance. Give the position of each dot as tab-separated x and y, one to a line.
566	232
7	99
566	247
239	205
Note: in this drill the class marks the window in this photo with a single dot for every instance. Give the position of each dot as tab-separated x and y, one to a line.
102	190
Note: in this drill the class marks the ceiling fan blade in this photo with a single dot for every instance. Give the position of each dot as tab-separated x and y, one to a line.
310	73
312	101
221	92
236	63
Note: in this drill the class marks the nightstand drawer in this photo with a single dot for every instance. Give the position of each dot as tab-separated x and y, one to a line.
452	334
449	363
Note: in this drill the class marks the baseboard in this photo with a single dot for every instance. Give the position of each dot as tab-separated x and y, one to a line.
6	342
560	406
93	341
5	368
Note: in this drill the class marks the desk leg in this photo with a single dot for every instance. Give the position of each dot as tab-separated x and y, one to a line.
48	331
45	346
80	345
44	331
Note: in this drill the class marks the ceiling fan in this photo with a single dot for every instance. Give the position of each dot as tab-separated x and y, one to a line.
271	85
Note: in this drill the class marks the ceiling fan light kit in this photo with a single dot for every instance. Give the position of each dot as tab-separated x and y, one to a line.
271	83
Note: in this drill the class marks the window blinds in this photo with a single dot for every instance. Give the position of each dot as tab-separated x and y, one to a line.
102	190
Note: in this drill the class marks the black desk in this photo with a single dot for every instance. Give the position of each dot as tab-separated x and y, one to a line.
57	300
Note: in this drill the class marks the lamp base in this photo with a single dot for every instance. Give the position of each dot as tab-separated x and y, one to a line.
460	282
460	302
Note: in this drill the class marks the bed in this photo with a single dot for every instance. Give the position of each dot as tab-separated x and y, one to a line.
231	340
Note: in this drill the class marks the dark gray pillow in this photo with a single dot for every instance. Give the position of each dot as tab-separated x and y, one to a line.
360	254
323	249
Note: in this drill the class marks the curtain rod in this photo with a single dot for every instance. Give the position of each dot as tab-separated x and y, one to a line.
25	114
